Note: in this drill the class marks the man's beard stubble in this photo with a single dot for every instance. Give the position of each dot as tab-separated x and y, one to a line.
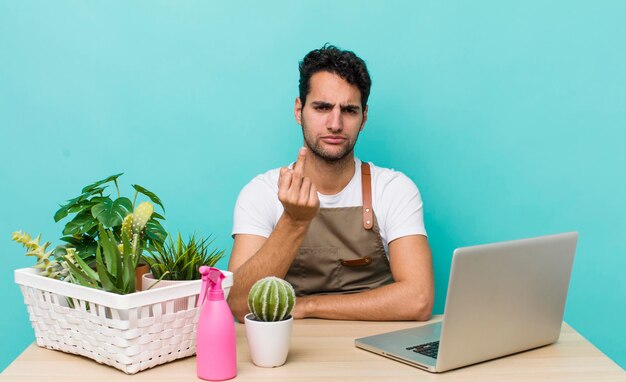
318	150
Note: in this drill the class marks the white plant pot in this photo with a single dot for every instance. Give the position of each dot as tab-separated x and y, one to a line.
148	282
268	341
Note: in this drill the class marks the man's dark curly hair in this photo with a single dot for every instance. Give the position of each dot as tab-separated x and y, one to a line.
343	63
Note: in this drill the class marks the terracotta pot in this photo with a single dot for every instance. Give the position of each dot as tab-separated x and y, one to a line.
141	270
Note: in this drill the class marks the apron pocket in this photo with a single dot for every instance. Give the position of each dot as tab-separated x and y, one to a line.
315	270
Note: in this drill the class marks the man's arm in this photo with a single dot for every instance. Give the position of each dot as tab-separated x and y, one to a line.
254	257
410	297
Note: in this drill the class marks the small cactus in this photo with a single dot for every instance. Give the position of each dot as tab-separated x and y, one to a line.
140	218
271	299
127	226
135	223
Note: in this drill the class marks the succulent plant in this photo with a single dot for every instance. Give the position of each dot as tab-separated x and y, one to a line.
271	299
180	260
47	262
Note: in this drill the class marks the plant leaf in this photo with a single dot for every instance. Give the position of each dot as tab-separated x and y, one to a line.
107	281
80	276
155	231
92	192
109	250
90	273
176	259
67	207
80	206
85	245
59	251
112	213
93	232
95	185
128	274
158	216
61	213
99	199
81	223
149	194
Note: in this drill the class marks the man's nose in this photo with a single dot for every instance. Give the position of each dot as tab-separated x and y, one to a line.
335	122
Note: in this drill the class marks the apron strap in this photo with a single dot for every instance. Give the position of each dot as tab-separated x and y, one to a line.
366	189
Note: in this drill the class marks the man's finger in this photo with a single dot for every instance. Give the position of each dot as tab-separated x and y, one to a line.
296	185
299	166
284	181
313	198
305	190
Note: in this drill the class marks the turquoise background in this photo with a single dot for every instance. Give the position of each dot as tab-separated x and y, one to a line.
509	116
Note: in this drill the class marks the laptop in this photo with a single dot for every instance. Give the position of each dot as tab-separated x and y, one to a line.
503	298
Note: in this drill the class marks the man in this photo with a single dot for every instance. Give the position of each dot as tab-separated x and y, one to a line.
349	236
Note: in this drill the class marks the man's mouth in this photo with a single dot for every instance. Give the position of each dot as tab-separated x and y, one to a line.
333	139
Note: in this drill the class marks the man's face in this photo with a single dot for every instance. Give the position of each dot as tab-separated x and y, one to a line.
332	117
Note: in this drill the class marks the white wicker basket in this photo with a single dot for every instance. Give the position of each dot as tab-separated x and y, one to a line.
130	332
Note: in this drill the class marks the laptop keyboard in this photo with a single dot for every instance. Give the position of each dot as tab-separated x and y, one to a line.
429	350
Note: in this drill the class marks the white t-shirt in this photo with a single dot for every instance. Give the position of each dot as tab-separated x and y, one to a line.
396	201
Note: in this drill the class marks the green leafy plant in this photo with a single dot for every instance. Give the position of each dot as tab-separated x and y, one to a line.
93	208
115	262
180	260
271	299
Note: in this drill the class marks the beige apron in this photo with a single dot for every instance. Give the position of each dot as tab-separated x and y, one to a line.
342	251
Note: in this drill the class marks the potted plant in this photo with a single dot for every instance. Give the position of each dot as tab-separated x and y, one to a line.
81	296
95	215
268	325
177	261
116	263
92	206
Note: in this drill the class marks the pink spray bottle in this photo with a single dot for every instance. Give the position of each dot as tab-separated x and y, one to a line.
216	354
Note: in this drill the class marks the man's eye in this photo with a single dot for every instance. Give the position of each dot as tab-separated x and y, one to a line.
322	107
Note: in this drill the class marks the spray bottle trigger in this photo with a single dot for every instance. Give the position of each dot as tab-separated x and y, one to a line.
216	277
215	292
204	271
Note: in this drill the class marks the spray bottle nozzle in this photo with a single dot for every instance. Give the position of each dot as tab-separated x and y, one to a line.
211	283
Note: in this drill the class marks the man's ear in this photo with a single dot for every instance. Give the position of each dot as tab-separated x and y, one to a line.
364	118
297	111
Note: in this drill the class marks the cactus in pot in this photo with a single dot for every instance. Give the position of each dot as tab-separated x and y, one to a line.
268	326
271	299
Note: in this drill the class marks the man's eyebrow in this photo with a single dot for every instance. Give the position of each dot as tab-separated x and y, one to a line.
322	103
350	107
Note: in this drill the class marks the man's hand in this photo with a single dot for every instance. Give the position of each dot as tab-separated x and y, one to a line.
296	192
254	257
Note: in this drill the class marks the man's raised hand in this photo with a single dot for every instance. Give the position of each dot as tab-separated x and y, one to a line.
296	192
